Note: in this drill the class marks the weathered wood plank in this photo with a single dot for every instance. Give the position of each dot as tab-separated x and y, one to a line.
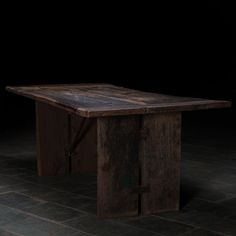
118	166
97	100
83	136
51	140
160	157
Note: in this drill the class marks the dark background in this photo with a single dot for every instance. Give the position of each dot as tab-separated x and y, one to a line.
187	50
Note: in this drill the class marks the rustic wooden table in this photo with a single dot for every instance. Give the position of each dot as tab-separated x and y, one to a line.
131	138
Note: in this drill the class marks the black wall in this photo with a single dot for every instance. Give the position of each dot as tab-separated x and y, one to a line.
187	49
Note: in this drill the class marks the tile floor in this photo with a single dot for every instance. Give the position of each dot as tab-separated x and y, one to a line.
34	206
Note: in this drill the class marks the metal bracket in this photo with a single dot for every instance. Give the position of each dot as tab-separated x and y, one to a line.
68	153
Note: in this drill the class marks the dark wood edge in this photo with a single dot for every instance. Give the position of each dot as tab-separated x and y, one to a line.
151	110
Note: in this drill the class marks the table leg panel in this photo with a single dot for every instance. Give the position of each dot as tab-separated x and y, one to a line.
118	166
160	153
52	133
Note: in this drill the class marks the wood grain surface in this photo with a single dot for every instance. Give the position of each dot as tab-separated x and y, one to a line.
139	164
98	100
83	144
52	139
160	154
118	166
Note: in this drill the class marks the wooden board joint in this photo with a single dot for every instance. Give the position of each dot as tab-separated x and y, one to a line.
140	190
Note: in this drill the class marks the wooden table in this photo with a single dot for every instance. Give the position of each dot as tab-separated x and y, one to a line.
131	138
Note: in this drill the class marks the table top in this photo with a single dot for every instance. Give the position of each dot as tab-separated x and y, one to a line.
97	100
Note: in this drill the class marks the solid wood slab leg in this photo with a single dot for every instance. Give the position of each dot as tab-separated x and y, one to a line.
138	164
118	167
160	153
52	138
66	143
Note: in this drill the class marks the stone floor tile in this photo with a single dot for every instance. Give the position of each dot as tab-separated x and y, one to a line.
6	233
159	225
216	209
207	221
54	212
201	232
31	226
230	203
8	181
100	227
19	201
68	199
8	215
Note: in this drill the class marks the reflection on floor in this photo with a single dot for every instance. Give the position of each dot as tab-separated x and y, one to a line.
34	206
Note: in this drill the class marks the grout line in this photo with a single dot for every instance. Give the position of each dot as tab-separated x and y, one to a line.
219	201
41	218
55	203
209	201
6	192
11	232
58	190
214	182
78	217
